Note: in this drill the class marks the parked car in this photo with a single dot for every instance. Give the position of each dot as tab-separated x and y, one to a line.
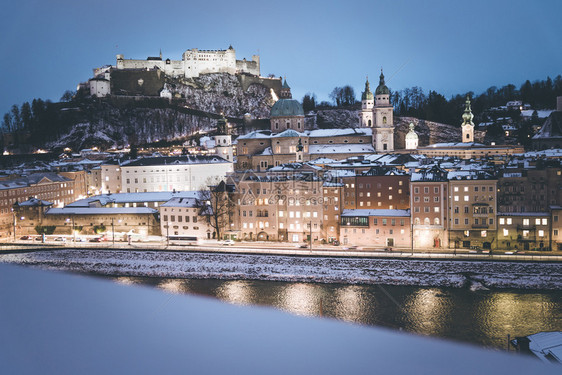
60	239
228	242
96	239
25	238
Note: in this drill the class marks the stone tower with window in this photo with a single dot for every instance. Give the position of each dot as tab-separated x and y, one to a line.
383	129
223	140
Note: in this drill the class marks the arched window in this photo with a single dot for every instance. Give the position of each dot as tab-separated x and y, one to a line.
417	221
384	120
370	124
426	221
436	221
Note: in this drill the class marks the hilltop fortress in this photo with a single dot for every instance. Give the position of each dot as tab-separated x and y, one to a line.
147	77
195	62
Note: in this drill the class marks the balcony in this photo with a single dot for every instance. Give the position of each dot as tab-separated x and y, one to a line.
480	226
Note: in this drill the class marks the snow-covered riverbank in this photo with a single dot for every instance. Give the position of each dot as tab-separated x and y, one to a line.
479	274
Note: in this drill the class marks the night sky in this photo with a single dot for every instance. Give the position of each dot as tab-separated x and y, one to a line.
448	46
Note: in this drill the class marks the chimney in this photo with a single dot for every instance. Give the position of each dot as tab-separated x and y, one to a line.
559	104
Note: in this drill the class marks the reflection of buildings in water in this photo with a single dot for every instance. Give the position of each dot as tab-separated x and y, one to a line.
236	291
176	286
427	313
350	304
506	313
128	280
301	299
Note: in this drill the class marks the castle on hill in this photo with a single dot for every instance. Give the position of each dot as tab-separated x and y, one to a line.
146	77
195	62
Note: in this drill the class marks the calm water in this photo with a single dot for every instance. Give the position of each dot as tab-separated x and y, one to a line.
481	317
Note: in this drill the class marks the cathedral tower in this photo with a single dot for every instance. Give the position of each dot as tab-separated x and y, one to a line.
367	103
467	124
383	132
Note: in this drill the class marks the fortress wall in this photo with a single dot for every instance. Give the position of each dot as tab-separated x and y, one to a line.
272	83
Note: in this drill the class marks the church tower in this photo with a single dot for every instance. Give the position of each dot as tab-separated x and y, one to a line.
383	132
223	140
467	124
367	103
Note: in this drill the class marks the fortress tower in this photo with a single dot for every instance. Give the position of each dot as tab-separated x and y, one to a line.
467	124
383	130
367	103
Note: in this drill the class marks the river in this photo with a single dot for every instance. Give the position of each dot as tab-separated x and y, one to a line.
482	317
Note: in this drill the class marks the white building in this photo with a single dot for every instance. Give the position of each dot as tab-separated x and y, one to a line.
412	139
189	172
180	217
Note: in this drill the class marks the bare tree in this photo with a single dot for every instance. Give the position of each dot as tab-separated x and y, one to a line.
215	203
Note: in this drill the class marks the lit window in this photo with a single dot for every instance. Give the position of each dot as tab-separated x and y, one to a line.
544	221
526	222
502	221
505	232
456	198
466	198
483	233
541	233
508	220
537	221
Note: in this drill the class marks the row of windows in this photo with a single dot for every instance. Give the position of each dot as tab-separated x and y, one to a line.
180	218
538	221
466	198
476	221
476	188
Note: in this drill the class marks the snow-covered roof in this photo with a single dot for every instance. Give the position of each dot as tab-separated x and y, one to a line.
262	134
469	175
341	149
160	196
175	160
541	113
33	202
289	133
375	212
32	179
180	202
101	211
340	132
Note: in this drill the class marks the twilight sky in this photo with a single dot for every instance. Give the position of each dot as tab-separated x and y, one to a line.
448	46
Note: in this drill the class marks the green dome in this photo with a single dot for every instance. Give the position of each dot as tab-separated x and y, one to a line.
286	108
382	89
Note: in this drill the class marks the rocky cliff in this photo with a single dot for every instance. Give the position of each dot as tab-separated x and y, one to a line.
195	106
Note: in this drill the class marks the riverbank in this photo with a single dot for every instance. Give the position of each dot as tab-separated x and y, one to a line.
288	249
319	269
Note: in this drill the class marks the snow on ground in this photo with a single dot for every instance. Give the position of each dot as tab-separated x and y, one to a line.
303	269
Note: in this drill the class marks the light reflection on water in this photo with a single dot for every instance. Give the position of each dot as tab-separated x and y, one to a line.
481	317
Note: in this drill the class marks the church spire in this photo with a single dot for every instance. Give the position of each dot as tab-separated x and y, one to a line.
367	94
467	124
467	116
